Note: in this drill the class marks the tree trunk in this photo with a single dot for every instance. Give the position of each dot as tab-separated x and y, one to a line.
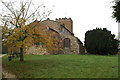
21	54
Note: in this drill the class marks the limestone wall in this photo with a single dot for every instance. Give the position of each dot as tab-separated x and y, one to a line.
81	48
39	50
74	46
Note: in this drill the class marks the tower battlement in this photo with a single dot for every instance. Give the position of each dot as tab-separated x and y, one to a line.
63	19
68	23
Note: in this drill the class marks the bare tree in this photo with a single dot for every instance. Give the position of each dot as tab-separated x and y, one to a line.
20	16
26	10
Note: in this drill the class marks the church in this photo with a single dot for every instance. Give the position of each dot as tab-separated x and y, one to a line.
63	27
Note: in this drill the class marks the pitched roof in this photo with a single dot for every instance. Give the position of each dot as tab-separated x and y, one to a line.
55	25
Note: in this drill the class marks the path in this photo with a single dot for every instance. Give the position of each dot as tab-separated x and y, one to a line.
1	55
6	73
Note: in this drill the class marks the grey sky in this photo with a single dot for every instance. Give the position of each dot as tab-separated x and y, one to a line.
86	14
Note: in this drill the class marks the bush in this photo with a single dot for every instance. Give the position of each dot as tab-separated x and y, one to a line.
101	41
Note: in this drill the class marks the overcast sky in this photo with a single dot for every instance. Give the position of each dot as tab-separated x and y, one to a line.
86	14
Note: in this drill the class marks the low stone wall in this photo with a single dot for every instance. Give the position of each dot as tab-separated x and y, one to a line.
39	50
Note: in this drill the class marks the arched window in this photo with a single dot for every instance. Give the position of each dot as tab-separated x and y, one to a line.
66	42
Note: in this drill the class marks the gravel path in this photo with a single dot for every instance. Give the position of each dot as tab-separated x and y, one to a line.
6	73
1	55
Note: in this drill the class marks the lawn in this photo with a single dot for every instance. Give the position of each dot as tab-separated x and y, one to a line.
63	66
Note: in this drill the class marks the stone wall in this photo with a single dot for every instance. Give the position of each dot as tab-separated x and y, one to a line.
74	46
39	50
81	48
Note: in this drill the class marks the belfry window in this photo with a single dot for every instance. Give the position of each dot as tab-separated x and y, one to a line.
62	28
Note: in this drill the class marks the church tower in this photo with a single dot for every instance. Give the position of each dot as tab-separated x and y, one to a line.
67	22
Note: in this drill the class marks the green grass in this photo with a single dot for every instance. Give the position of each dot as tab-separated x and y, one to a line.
63	66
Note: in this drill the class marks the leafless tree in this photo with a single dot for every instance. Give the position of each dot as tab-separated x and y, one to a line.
26	10
16	16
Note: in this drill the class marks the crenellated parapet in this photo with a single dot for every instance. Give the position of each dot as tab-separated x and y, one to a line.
67	22
67	19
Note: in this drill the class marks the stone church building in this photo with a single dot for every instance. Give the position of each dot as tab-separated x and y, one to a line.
64	28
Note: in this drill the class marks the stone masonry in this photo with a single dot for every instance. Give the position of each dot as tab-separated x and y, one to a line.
64	28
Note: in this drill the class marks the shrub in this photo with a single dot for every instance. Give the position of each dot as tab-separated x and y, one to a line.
101	41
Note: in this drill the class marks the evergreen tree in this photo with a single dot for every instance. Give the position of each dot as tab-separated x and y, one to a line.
100	41
116	11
